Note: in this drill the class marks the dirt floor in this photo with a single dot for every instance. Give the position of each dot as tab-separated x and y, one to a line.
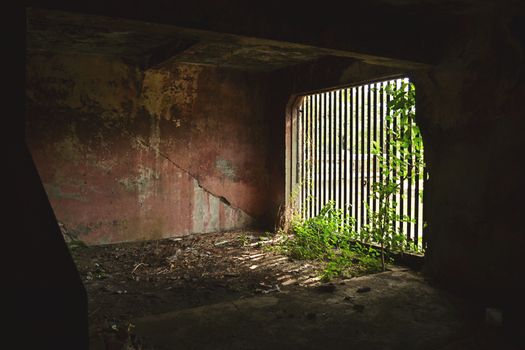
129	280
229	291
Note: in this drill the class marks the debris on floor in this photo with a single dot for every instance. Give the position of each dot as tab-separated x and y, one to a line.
229	290
129	280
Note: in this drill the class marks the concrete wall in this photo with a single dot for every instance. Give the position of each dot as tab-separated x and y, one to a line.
126	154
470	109
473	123
471	113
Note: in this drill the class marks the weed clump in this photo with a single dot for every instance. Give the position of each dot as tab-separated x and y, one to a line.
329	238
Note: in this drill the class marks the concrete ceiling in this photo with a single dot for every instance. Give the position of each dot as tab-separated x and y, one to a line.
412	30
151	44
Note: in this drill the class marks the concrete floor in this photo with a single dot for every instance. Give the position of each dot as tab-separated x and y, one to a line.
391	310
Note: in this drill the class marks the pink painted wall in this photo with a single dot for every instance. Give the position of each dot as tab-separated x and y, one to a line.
126	154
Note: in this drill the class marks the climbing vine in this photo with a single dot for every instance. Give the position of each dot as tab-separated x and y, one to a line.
331	236
399	160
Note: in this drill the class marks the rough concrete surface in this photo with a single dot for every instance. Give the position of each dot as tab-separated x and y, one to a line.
398	310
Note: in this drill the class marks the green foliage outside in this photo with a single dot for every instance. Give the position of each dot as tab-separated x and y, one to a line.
331	237
400	161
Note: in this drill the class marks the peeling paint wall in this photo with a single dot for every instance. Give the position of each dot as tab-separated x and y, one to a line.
126	154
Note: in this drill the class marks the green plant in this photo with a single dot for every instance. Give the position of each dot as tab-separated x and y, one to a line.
399	160
319	236
244	239
328	238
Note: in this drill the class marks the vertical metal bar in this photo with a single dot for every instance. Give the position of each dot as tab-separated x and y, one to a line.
323	150
295	144
356	155
382	141
403	181
350	152
306	145
375	123
394	170
327	147
334	143
300	158
381	125
410	178
344	152
389	147
363	106
333	108
311	156
315	119
335	149
319	153
355	159
369	148
420	176
329	116
341	151
417	201
317	150
362	155
423	172
379	133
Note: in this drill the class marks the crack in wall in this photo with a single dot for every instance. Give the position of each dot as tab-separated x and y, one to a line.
194	177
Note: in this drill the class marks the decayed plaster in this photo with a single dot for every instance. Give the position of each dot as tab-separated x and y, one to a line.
128	154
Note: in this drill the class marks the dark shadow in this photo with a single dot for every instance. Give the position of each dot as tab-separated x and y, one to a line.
50	300
45	298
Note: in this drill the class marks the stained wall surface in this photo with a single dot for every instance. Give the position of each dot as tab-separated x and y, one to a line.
470	109
126	154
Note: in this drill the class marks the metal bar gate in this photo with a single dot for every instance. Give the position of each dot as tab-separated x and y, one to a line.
331	142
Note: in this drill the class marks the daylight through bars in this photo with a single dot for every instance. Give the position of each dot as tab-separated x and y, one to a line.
332	136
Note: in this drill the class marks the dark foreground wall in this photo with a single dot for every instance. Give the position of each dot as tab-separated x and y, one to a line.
126	154
473	119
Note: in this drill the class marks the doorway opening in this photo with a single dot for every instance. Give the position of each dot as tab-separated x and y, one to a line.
347	145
